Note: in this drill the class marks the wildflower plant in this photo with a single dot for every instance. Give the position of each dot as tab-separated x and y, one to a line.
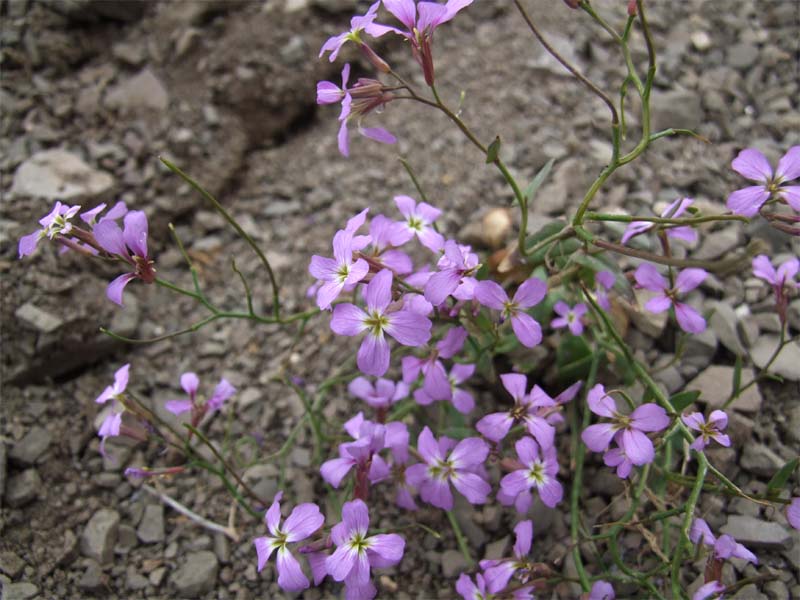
443	394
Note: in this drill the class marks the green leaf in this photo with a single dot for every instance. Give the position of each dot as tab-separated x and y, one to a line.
459	433
683	399
538	180
778	481
574	358
737	377
551	228
493	150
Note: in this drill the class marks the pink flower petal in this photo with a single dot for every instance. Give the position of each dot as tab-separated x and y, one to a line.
527	329
290	575
689	279
348	320
789	165
747	201
490	294
689	319
753	165
530	293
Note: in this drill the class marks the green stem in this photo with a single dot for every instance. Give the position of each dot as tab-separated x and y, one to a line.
276	307
683	539
595	216
413	177
462	541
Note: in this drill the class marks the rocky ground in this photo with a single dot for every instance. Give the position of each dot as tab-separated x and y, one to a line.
93	92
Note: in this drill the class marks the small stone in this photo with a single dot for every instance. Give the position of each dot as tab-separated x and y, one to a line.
23	488
129	53
716	384
757	533
453	562
497	549
31	447
157	576
496	227
718	243
93	579
760	460
126	539
59	175
134	580
786	363
677	108
649	323
19	591
11	564
142	92
151	527
197	575
701	40
301	457
222	548
742	55
37	318
100	535
749	592
724	323
776	590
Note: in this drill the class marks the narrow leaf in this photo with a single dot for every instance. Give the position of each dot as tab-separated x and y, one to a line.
778	481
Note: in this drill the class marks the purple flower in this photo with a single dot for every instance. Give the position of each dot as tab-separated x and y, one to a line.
433	478
407	327
356	553
569	317
724	547
131	246
420	20
605	281
688	318
709	590
419	219
386	234
780	280
370	438
462	400
117	212
190	383
793	513
526	406
111	424
455	267
337	272
55	223
302	523
673	211
499	572
753	165
530	293
435	384
602	590
540	470
616	457
382	394
717	421
627	430
363	23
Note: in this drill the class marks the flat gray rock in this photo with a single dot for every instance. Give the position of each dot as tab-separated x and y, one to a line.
59	175
100	535
197	575
716	384
757	533
19	591
787	364
143	91
151	527
22	488
31	446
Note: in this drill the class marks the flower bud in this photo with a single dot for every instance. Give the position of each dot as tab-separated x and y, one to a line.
572	3
631	8
376	61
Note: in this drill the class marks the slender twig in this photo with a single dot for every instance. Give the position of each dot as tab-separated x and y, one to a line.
566	64
276	307
460	539
413	177
193	516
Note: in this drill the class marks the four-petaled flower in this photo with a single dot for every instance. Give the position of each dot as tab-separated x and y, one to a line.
673	211
725	546
753	165
55	223
382	394
338	272
358	24
530	293
419	218
648	277
131	246
717	421
499	572
627	430
526	407
190	383
302	523
356	552
421	20
407	327
113	421
433	478
569	316
539	471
